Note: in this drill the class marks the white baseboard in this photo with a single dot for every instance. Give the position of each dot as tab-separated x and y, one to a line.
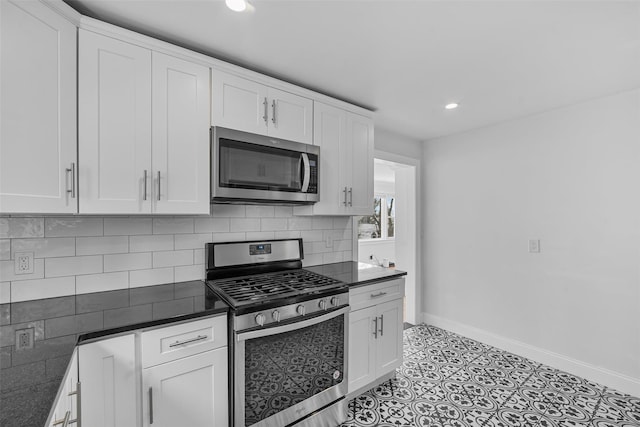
609	378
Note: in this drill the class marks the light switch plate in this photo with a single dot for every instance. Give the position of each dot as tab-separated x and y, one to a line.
534	246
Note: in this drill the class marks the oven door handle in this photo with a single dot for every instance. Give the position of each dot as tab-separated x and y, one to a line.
243	336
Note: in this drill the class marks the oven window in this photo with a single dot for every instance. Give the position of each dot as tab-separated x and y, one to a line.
285	369
252	166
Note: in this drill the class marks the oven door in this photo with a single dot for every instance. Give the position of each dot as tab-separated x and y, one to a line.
287	372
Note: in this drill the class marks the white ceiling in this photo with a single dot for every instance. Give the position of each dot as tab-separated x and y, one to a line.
406	59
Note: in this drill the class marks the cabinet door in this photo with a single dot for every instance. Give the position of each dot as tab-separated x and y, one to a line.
180	136
239	103
108	376
359	157
362	348
114	148
37	109
187	392
389	341
291	116
330	134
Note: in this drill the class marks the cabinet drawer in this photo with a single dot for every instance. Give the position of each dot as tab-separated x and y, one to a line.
184	339
376	293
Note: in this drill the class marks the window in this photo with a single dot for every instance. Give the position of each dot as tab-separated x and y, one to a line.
381	224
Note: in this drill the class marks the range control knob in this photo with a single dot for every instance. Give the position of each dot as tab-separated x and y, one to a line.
301	310
276	315
335	301
322	304
260	319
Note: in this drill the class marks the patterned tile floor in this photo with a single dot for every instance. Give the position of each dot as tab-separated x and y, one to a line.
449	380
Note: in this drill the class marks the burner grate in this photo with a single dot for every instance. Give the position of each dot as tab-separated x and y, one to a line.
263	287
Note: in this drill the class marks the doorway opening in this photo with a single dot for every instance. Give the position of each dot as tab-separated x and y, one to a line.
389	236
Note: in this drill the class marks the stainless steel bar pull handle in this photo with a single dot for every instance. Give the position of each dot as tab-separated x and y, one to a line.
198	338
266	112
375	328
381	324
350	196
345	196
273	116
150	405
144	197
73	180
378	295
158	185
64	421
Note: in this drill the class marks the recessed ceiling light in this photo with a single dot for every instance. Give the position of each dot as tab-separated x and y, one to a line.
451	106
236	5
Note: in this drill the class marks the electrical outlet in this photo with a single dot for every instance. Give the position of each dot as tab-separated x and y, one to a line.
534	246
23	263
329	241
24	339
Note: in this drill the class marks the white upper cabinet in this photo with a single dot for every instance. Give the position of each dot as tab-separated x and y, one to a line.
242	104
346	162
114	147
143	131
37	110
180	148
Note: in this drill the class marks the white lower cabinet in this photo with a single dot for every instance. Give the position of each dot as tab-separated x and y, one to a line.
107	370
375	332
187	392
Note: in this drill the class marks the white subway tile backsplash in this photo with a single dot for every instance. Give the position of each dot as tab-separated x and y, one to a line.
124	262
198	256
189	272
5	249
87	254
192	241
229	237
73	227
172	258
283	211
102	245
43	288
102	282
21	227
70	266
331	257
286	234
127	226
311	259
45	248
222	210
322	223
176	225
211	225
260	211
245	224
7	273
342	222
260	235
155	276
312	236
273	224
152	243
299	223
5	292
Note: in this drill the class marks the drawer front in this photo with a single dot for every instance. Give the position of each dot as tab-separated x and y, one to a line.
376	293
185	339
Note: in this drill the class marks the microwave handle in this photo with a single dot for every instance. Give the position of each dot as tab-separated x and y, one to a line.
306	172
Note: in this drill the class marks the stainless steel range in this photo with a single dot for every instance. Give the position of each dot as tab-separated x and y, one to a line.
289	331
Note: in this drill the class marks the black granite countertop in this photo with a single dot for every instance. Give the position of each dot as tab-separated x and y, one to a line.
31	377
356	273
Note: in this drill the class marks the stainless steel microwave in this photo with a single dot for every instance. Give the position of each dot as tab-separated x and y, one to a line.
250	168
